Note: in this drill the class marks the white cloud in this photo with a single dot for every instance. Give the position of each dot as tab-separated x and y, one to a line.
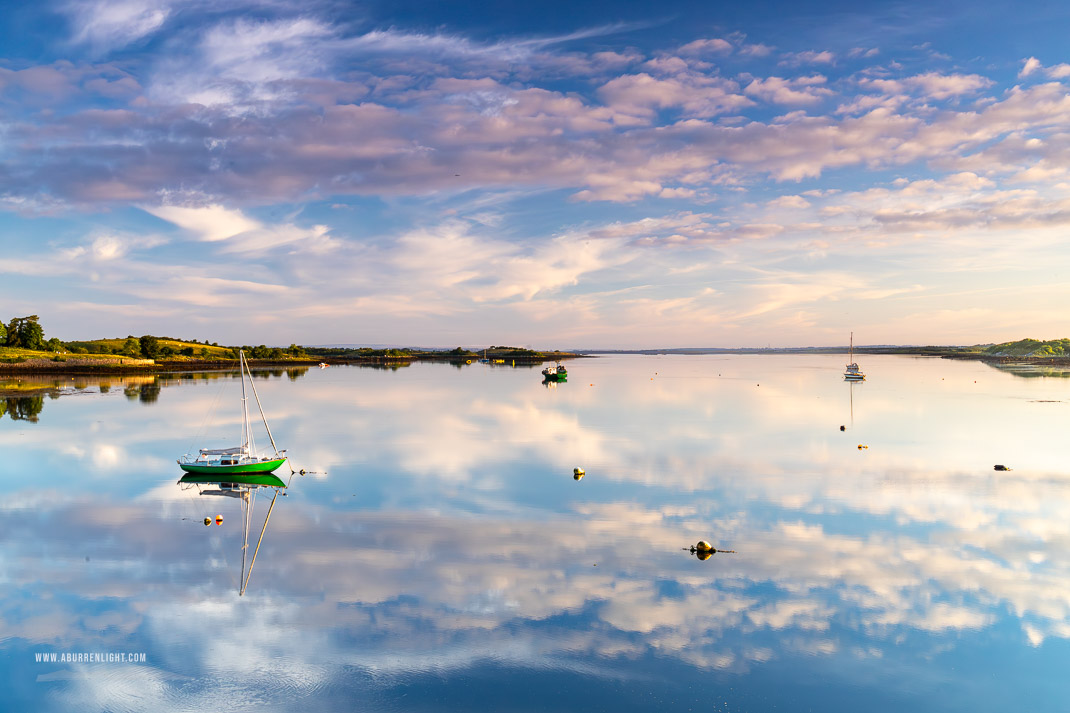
795	59
113	24
210	223
710	46
801	90
1029	66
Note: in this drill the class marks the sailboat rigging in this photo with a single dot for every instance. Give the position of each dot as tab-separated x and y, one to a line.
243	459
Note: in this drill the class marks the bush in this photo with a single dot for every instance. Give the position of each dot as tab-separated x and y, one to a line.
149	346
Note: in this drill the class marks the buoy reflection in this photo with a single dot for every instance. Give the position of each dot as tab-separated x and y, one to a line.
704	550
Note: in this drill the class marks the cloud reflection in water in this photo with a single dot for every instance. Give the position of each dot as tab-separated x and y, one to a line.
387	570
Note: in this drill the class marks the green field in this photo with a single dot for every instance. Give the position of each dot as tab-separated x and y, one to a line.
1031	348
111	346
15	355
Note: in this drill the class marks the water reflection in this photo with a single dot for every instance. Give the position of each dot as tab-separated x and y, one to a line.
22	395
244	489
22	408
448	548
1032	371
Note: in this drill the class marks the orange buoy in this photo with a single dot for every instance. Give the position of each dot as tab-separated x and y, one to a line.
219	519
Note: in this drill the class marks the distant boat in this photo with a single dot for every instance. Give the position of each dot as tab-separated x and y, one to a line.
239	460
324	365
555	373
484	360
853	373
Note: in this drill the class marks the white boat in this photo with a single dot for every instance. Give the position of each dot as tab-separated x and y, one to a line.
853	373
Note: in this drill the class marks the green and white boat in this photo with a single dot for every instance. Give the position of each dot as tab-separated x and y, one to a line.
244	460
557	373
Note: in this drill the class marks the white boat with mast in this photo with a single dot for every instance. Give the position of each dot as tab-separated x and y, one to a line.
240	461
853	373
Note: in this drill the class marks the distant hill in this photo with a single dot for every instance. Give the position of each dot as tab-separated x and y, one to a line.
178	349
1031	348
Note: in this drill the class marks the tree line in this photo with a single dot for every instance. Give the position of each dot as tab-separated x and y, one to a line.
27	333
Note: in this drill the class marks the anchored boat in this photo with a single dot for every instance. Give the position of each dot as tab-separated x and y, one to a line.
853	373
555	373
244	459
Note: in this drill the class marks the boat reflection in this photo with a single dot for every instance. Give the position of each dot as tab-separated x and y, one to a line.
244	488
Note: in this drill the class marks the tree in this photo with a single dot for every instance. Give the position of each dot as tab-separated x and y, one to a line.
167	351
132	347
54	345
297	351
186	351
149	346
25	332
3	336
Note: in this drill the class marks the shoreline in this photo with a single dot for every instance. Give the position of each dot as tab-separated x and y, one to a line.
41	377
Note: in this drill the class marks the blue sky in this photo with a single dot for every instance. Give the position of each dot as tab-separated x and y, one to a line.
553	174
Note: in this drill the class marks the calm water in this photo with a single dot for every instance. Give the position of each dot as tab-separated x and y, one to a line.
443	557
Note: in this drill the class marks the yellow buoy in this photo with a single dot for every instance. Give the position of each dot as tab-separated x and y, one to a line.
704	555
578	473
219	519
207	521
703	546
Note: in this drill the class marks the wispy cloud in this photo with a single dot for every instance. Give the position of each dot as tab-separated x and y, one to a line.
114	24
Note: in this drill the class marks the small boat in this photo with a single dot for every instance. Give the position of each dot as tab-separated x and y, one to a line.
853	373
324	365
239	460
555	373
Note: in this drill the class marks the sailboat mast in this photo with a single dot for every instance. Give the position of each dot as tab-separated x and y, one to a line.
244	404
851	349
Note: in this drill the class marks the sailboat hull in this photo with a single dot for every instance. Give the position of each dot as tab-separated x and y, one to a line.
264	479
265	466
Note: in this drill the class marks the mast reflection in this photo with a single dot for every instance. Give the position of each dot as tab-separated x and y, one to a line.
244	488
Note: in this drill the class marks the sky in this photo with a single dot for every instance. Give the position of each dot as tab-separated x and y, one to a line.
554	175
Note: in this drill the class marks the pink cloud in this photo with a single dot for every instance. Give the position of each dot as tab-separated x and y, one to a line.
710	46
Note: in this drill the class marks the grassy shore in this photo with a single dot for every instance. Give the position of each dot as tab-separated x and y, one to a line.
26	361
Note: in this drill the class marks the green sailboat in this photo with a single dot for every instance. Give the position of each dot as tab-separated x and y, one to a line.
240	463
